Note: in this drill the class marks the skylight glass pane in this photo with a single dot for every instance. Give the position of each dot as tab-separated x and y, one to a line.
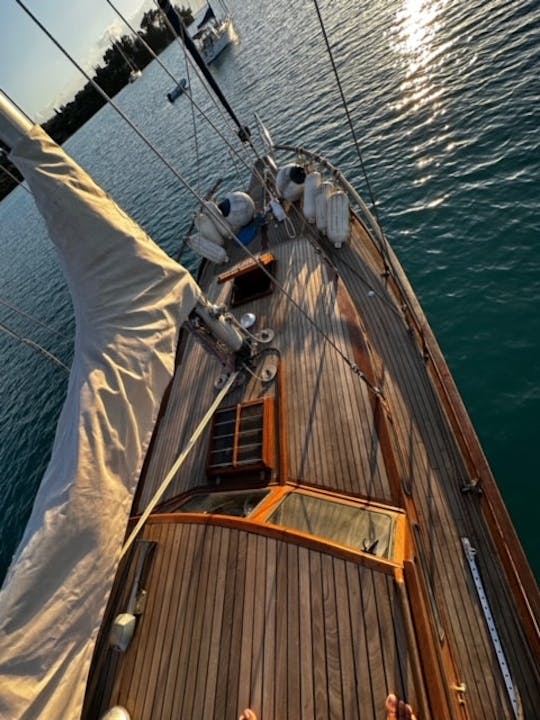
236	504
354	526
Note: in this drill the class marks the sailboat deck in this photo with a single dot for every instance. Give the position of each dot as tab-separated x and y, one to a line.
240	617
243	620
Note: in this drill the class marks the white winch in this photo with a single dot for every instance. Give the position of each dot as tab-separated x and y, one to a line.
237	208
290	182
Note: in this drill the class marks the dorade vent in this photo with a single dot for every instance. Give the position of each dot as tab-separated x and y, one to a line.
249	280
243	438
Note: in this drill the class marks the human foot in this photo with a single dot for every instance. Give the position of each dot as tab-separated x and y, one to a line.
395	710
248	715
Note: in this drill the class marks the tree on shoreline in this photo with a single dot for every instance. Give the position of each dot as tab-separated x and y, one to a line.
111	75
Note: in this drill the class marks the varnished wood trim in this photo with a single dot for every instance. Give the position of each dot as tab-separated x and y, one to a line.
283	429
514	561
237	434
245	267
417	660
268	449
367	361
401	546
373	562
518	571
269	433
432	664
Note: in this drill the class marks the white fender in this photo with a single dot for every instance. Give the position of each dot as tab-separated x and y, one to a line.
212	211
311	189
290	182
325	190
237	208
208	228
337	218
207	248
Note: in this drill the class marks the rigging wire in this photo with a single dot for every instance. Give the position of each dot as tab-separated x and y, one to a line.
34	319
189	62
156	57
347	113
316	243
114	105
244	132
34	345
178	463
153	55
13	177
389	266
352	365
193	120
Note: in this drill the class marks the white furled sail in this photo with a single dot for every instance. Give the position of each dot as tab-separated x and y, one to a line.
130	300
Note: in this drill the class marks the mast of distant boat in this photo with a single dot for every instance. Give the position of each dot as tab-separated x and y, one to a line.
135	71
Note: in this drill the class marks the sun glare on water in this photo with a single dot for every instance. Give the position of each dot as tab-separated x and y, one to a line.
421	52
417	18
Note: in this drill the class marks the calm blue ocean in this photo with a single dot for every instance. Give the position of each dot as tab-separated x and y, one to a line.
445	99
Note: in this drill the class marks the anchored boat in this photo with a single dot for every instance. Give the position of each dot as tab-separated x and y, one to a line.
134	72
177	91
265	490
213	35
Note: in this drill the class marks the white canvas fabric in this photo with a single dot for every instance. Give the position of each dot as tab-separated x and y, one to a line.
129	299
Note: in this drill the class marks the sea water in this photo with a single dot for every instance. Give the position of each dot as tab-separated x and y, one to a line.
444	98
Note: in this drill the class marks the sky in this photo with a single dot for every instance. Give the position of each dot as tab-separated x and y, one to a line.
33	72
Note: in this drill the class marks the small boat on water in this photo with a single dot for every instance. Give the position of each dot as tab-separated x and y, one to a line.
178	90
265	490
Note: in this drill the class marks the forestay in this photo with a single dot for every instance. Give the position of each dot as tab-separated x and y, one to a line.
130	300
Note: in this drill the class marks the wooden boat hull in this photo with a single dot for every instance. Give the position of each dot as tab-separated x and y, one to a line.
244	612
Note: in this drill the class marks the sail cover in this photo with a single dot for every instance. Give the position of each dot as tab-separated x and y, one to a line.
129	300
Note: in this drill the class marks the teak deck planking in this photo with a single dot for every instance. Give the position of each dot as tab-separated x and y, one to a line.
262	623
236	619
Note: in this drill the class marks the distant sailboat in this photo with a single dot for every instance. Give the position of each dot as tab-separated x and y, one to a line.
135	73
213	34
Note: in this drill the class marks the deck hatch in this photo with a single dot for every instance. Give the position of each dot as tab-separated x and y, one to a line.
360	528
242	438
249	279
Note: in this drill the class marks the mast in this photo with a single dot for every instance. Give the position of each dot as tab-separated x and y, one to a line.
129	62
180	29
208	15
14	125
